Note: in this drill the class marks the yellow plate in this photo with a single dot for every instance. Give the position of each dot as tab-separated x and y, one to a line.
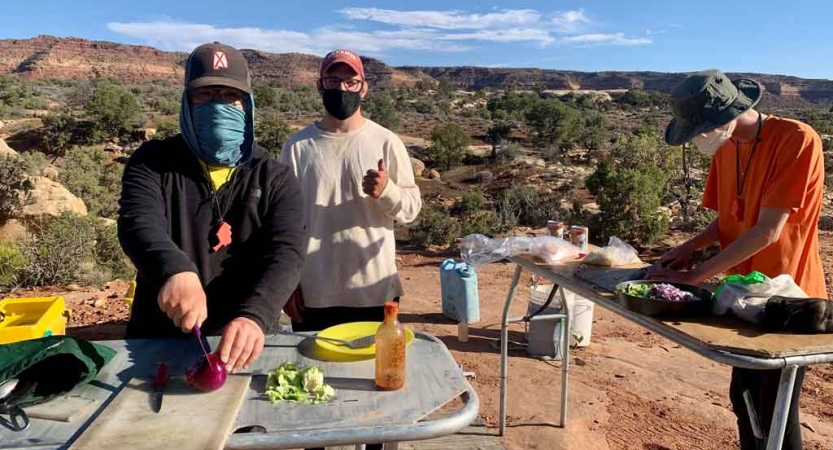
348	332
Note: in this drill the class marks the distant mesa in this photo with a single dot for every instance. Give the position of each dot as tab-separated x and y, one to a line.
49	57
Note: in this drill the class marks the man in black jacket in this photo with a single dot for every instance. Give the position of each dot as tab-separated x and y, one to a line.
213	225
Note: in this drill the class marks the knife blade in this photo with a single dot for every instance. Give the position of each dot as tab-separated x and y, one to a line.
159	385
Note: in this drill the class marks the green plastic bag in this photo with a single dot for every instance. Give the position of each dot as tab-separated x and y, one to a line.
754	277
49	367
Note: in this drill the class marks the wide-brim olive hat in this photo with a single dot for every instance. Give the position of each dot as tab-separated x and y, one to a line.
708	100
216	64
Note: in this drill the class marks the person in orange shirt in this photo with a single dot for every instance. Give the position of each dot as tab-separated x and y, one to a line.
766	183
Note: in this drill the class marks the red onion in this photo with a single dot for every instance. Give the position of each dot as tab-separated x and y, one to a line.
207	374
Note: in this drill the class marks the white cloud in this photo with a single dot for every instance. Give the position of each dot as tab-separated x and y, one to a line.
430	31
186	36
446	20
604	39
570	21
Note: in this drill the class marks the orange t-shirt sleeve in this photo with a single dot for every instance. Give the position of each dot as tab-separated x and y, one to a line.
711	194
795	166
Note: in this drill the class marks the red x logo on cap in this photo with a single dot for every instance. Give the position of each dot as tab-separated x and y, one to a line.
220	60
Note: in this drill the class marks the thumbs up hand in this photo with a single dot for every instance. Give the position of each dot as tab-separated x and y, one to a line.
375	181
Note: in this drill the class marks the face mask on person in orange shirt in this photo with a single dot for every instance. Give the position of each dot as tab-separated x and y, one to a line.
709	143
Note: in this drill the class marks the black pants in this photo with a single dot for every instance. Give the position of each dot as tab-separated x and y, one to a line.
317	319
763	388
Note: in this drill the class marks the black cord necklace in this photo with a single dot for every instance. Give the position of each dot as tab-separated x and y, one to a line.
738	208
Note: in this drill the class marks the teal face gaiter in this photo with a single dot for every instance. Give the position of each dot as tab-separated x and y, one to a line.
220	130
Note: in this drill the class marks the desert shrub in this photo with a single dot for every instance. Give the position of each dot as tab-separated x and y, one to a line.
471	202
13	186
109	254
57	250
264	95
111	109
60	132
553	123
523	205
89	175
497	134
629	201
449	143
382	110
482	222
272	133
33	162
166	128
12	264
435	227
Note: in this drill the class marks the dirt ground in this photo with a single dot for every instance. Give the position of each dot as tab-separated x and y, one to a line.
629	390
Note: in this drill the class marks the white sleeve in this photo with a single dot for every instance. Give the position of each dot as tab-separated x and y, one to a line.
401	199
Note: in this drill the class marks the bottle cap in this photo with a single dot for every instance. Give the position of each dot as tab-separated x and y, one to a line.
391	307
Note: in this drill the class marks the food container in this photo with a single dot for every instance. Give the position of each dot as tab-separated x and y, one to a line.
22	319
556	228
661	308
579	236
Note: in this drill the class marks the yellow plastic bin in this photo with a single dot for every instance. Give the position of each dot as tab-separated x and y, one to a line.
31	318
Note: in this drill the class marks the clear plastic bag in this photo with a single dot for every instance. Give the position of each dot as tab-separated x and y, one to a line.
748	299
617	253
479	250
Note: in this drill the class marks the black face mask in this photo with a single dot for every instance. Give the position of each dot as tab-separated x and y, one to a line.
341	104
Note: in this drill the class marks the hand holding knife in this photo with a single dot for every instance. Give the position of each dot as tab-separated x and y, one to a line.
158	385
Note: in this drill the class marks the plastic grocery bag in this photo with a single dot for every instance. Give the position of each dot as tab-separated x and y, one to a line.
747	295
478	250
617	253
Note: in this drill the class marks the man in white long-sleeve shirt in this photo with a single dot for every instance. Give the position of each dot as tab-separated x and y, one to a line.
357	179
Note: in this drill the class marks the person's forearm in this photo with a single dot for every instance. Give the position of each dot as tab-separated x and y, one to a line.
706	237
749	244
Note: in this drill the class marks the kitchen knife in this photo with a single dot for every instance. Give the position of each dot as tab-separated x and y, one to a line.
159	385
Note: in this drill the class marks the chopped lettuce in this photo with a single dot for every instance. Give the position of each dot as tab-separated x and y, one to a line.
663	292
293	384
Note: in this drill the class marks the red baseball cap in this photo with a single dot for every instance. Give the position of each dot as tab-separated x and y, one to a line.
342	56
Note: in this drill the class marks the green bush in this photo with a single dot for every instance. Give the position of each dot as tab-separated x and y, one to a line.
471	201
264	95
828	170
109	254
58	249
13	183
639	98
523	205
629	202
60	132
112	110
33	163
487	223
272	133
553	123
303	100
89	175
382	110
166	128
435	227
448	146
497	134
511	105
594	133
12	264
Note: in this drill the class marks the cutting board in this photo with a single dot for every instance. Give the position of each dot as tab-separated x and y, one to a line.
189	419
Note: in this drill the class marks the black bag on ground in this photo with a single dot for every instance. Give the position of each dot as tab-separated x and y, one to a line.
799	315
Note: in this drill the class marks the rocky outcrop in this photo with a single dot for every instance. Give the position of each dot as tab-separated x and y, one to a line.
5	150
779	89
48	198
418	167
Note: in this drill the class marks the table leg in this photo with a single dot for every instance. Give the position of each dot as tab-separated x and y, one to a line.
504	347
566	336
782	408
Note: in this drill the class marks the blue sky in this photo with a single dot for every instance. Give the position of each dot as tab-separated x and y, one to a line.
793	38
